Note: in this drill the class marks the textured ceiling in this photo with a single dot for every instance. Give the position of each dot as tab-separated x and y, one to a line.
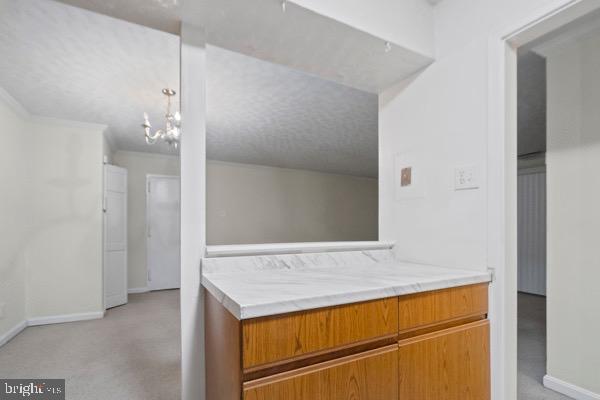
65	62
263	113
298	38
309	42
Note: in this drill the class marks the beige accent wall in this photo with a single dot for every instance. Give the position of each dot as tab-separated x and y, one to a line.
258	204
573	184
64	251
13	214
139	165
51	210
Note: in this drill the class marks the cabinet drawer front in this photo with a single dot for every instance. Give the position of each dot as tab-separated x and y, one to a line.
452	364
422	310
371	375
270	340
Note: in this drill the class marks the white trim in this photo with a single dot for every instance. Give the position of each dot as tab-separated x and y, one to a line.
138	290
52	319
18	108
67	123
569	389
270	167
12	332
151	176
59	319
294	248
146	154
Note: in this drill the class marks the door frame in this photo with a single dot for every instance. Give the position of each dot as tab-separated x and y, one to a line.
502	178
147	191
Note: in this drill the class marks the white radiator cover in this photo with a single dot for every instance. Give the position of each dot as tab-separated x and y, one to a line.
531	208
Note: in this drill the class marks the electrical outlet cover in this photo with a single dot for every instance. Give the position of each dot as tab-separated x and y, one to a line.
466	178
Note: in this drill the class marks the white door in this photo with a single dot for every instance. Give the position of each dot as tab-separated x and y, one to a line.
115	236
162	224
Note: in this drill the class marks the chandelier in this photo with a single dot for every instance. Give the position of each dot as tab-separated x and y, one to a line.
171	133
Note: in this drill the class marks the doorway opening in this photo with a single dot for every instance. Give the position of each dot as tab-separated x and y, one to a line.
76	157
552	181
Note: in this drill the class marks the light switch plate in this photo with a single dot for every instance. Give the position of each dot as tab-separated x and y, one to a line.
466	178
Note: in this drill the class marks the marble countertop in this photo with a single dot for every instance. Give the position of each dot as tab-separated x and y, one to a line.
257	286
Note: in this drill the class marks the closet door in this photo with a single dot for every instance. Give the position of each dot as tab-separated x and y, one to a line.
115	236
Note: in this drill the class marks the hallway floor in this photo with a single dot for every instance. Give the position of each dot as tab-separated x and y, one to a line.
133	353
532	350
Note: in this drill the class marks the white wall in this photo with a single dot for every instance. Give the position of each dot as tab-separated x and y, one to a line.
139	165
445	227
573	217
13	213
442	117
51	211
193	209
446	105
259	204
408	23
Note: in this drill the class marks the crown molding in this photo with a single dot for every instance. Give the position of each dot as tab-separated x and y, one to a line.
13	104
67	123
22	112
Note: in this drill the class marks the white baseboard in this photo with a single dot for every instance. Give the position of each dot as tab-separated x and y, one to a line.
568	389
59	319
138	290
14	331
52	319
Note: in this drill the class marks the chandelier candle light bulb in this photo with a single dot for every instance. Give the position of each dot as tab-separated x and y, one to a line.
171	133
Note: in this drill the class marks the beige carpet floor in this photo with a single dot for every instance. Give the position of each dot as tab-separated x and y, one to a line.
532	349
133	353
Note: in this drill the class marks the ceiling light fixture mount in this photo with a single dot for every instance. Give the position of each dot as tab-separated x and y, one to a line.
171	133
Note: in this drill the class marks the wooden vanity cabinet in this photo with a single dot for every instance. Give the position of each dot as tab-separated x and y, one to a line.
425	346
451	364
273	341
371	375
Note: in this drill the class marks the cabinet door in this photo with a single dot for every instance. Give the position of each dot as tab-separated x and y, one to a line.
278	339
372	375
452	364
431	309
